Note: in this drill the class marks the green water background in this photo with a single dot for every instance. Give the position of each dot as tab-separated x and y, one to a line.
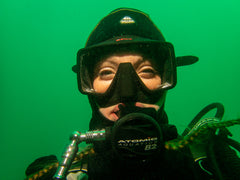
39	102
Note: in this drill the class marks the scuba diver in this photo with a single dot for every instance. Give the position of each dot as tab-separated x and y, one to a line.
126	69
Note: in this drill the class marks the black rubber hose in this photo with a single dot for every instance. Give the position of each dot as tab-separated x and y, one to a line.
226	157
212	158
233	143
219	115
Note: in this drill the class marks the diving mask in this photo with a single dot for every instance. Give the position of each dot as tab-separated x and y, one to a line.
161	55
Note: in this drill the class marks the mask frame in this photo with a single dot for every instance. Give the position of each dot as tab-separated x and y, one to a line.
88	57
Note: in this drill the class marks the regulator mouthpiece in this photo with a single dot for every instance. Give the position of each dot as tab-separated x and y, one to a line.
137	136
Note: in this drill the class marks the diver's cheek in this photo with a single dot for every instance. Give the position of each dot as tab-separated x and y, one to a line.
153	83
101	86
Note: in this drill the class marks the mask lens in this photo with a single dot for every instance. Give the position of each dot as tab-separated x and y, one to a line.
125	73
154	67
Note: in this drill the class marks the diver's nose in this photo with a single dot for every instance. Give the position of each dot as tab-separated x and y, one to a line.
127	83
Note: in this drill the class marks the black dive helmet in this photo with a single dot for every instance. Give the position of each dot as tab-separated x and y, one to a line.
126	30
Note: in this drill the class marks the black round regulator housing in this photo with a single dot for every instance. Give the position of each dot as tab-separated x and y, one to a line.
136	136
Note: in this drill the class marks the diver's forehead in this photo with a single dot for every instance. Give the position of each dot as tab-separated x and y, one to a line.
114	59
123	58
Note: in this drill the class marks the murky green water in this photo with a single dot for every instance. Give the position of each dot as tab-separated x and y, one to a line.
40	104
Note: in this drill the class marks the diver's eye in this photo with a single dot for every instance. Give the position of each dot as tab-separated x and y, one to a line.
106	74
147	72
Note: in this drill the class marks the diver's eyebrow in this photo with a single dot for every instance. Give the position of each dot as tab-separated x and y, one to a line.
106	63
141	61
110	61
103	64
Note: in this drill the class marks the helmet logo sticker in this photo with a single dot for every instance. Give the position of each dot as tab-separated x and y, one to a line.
127	20
124	39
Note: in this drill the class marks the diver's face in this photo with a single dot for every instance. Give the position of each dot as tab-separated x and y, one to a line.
106	70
